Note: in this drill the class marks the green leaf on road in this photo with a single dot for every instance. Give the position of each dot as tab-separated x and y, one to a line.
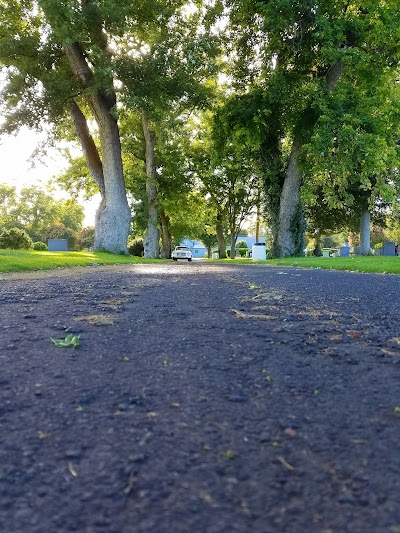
69	341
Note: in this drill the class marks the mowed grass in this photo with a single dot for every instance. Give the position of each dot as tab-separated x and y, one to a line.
371	264
20	260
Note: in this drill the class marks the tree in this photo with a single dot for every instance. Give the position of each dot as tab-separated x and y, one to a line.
59	60
181	210
164	70
85	238
35	210
300	56
8	201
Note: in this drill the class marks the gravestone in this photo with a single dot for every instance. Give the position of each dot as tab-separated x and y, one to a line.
357	250
388	249
345	251
57	245
259	251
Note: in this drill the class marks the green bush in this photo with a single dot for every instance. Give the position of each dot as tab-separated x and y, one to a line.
135	247
86	238
241	244
243	251
40	246
16	239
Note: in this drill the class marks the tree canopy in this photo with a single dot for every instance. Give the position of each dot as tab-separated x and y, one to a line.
201	110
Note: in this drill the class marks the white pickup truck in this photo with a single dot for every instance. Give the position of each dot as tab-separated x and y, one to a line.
182	252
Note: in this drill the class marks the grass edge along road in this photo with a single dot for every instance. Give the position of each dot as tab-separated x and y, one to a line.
368	264
25	260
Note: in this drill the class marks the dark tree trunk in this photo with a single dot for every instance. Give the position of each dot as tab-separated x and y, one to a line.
220	236
317	244
233	246
166	242
152	237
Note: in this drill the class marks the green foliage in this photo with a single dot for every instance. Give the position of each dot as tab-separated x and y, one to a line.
136	247
323	74
70	341
243	251
241	244
8	196
34	209
298	228
15	239
40	246
85	238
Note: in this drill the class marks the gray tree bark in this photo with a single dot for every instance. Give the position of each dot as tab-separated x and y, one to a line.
113	218
365	232
289	203
152	237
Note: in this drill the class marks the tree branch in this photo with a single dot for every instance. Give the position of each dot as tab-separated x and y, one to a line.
88	145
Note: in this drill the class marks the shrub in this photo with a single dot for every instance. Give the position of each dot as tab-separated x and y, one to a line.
40	246
243	251
16	239
241	244
135	247
86	238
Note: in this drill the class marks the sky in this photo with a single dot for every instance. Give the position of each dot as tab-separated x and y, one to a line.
18	170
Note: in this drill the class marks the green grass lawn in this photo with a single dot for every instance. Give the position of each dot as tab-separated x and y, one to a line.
19	260
373	264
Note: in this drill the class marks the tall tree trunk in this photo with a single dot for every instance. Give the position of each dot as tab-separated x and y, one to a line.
290	207
113	218
166	242
152	237
317	243
289	204
220	236
365	232
233	245
114	215
258	222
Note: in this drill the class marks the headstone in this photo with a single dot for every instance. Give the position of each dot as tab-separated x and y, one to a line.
259	251
326	253
357	250
345	251
388	249
57	245
378	251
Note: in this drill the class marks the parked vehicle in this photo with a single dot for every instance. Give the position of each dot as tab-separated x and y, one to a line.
182	252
